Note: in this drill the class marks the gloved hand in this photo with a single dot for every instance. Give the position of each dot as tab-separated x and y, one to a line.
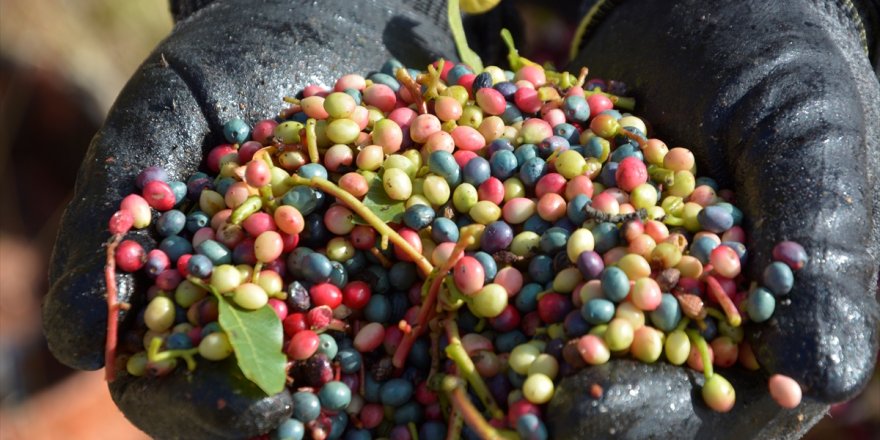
778	101
224	59
191	84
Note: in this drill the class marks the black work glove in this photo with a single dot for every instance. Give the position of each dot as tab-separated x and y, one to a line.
225	59
778	101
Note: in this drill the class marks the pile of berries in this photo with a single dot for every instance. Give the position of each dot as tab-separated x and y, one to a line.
438	247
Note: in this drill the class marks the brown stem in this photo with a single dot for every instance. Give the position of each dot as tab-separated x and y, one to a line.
414	89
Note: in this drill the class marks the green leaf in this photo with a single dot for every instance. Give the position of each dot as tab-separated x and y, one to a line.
387	209
256	337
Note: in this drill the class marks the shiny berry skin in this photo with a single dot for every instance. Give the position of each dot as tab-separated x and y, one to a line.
468	275
159	195
356	295
325	294
130	256
303	345
294	323
552	307
631	172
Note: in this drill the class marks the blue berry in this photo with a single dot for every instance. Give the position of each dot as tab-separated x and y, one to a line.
444	230
778	278
418	216
615	284
306	406
200	266
236	131
598	311
171	223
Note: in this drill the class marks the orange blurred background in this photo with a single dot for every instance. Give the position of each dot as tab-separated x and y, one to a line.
62	63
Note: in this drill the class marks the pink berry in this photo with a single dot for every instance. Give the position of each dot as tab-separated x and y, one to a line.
631	173
257	174
369	338
120	222
468	275
785	391
725	261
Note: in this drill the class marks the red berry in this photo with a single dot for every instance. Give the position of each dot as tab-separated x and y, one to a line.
507	321
325	294
552	307
121	222
294	323
521	408
356	295
393	335
182	261
262	133
280	308
130	256
319	317
303	345
218	153
492	190
159	195
168	279
363	237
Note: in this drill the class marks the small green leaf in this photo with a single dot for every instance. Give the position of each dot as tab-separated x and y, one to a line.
387	209
256	337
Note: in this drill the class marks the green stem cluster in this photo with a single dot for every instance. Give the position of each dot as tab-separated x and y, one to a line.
455	351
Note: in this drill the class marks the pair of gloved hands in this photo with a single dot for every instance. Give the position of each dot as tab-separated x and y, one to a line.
778	100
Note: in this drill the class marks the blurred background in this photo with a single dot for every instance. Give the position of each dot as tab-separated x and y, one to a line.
62	63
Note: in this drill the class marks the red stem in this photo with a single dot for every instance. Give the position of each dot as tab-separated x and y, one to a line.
113	307
428	304
718	294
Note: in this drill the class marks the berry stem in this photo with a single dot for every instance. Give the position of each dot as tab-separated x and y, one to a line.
431	80
358	207
113	308
414	89
468	237
455	351
700	342
154	355
642	143
454	387
717	292
455	425
312	141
